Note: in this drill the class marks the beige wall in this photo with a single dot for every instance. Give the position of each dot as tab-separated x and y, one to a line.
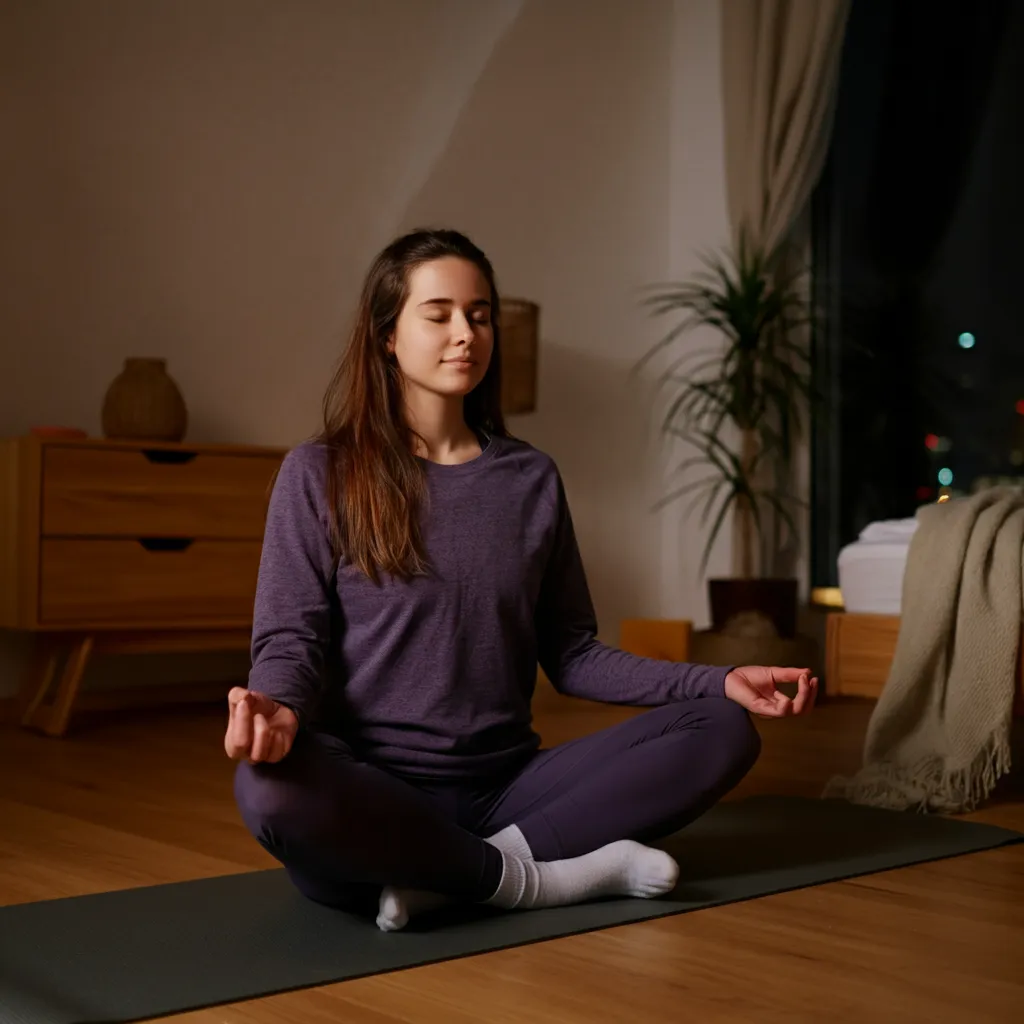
207	181
698	219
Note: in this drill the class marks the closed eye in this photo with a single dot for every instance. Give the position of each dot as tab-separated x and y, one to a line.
477	318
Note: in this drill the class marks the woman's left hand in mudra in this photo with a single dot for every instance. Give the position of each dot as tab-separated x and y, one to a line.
754	687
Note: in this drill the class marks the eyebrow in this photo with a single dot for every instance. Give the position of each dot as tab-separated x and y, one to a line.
450	302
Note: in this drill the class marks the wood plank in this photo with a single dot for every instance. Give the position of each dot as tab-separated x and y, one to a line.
145	797
106	857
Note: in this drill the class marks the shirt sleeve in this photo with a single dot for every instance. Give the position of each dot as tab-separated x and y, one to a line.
579	665
291	617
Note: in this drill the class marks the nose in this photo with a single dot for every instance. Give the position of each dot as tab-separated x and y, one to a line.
462	329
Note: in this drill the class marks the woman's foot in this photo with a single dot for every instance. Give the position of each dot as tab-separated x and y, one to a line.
397	906
623	868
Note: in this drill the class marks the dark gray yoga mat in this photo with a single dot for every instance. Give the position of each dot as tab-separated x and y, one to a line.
164	949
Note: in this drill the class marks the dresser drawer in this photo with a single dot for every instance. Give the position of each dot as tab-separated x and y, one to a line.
139	582
97	492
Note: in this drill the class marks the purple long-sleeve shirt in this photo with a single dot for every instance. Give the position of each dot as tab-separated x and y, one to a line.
434	677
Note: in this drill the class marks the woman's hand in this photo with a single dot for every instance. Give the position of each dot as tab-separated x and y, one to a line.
754	688
259	729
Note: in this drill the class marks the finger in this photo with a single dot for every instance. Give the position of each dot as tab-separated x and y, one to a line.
260	701
266	706
803	693
760	706
273	746
766	707
236	698
260	739
789	675
280	743
235	695
783	705
239	735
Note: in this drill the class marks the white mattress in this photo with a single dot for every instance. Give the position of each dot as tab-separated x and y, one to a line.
871	569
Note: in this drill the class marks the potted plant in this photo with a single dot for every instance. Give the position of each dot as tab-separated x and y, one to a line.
740	407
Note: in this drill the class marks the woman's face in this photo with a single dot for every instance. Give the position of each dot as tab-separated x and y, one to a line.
443	339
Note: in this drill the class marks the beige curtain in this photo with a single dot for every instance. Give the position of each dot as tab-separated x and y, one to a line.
780	66
780	63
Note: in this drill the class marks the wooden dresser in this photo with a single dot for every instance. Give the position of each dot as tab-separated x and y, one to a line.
122	547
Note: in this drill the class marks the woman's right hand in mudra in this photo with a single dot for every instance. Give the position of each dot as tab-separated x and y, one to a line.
259	729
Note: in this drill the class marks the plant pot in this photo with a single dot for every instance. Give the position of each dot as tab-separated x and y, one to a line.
143	403
775	599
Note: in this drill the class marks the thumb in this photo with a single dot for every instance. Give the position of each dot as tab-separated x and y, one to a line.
236	695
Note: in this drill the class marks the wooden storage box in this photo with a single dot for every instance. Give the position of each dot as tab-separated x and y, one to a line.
859	652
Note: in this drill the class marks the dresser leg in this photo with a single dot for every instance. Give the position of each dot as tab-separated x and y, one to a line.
42	669
56	723
53	718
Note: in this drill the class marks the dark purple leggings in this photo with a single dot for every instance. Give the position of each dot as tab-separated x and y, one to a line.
343	828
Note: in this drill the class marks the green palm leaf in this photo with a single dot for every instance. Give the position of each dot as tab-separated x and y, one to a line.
757	388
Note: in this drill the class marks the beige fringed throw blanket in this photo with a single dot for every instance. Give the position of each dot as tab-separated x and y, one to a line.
939	738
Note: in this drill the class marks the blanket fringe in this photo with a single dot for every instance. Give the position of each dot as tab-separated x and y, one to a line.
926	786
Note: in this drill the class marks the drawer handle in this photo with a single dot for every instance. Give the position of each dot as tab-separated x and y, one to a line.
168	457
166	543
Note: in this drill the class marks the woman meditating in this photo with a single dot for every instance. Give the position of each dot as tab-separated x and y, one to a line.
418	564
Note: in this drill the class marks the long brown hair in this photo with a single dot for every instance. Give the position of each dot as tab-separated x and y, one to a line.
376	485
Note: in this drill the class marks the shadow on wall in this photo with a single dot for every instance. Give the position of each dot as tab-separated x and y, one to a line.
592	419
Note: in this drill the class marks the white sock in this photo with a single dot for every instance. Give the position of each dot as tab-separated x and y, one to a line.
510	840
398	905
624	868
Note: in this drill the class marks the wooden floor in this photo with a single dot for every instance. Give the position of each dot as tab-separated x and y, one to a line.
140	798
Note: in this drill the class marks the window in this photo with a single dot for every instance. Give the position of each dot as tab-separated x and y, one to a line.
920	359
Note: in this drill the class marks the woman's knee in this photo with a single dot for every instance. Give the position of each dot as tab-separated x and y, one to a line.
734	736
735	730
280	803
263	800
295	824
